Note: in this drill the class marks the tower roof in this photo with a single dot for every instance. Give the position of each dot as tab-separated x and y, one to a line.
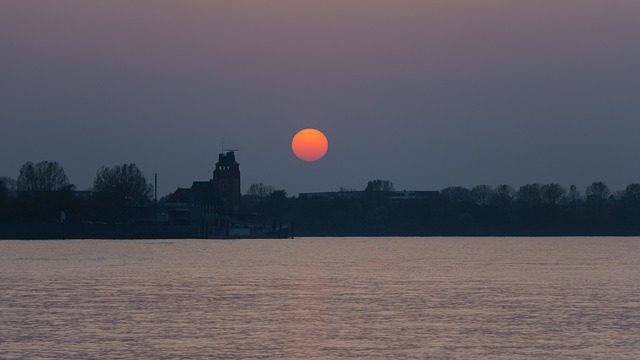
228	158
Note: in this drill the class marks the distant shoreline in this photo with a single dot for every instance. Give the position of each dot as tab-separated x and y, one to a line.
128	232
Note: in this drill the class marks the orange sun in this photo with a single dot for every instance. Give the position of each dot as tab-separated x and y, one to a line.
309	144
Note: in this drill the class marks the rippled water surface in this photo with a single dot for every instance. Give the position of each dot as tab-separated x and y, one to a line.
464	298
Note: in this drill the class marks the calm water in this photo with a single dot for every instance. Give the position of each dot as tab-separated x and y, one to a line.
463	298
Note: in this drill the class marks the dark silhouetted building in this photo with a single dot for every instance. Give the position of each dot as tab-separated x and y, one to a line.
226	183
209	206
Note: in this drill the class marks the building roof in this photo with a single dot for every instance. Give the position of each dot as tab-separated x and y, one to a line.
200	193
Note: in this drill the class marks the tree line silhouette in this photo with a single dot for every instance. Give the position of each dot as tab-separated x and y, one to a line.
42	192
532	209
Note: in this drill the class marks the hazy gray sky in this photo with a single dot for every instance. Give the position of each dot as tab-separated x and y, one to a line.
424	93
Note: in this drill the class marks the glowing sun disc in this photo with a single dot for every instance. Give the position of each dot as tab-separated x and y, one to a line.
309	144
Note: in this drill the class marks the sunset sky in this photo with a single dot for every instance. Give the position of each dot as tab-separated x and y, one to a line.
427	94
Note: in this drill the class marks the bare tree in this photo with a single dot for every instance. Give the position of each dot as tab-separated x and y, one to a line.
380	185
456	193
481	194
3	190
503	195
8	183
574	194
43	176
552	194
631	192
529	194
597	191
123	185
260	190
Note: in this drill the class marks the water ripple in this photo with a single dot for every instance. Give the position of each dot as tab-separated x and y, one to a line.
378	298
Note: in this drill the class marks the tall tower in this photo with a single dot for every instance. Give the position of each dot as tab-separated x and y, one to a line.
226	183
